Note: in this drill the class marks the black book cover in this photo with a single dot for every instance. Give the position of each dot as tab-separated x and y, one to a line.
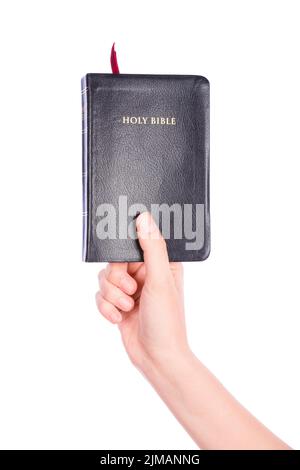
145	147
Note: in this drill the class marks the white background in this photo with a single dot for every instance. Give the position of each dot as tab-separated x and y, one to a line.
65	379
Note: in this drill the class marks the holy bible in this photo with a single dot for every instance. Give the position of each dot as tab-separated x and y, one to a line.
145	147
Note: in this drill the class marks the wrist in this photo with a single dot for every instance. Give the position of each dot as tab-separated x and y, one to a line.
168	366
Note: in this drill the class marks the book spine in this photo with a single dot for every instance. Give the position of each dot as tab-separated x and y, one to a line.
85	168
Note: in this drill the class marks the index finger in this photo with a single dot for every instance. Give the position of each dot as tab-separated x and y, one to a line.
117	274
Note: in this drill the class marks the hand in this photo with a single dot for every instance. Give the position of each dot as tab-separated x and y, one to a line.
146	300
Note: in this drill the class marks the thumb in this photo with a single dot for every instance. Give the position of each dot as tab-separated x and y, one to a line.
154	247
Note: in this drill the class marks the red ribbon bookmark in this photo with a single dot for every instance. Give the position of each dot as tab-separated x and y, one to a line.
114	60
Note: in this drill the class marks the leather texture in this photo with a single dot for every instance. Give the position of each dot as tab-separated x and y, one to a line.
150	164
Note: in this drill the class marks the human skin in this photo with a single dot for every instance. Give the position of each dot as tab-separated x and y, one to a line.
145	300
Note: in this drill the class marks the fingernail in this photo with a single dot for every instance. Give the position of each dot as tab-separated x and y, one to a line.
124	303
116	317
146	224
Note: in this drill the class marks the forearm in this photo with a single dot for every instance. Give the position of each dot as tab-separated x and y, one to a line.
213	418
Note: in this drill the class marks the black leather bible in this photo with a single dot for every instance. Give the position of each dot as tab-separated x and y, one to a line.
145	147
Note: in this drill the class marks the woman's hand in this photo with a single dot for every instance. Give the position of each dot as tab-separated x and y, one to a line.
146	300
